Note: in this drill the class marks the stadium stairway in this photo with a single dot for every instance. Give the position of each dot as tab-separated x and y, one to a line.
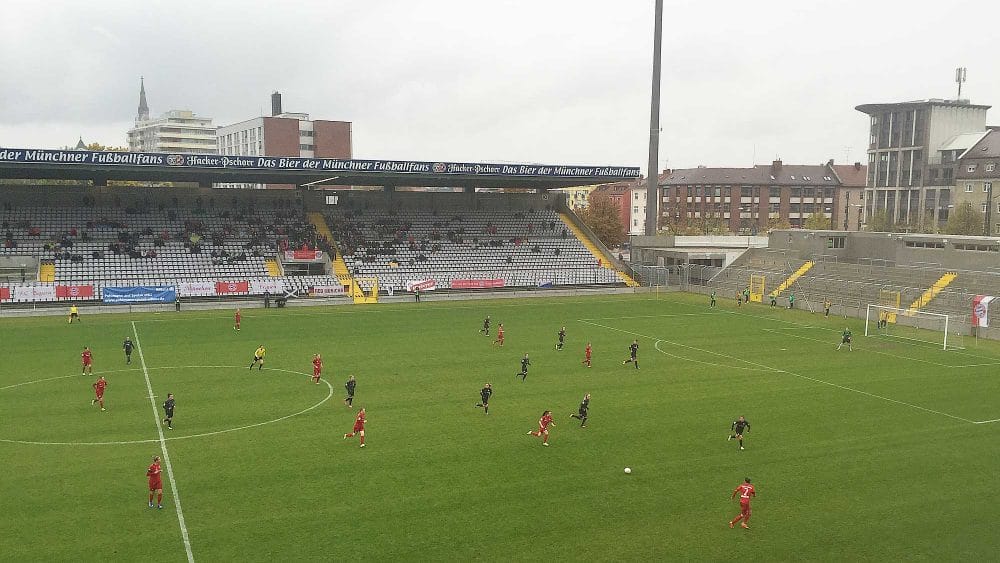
273	267
47	271
931	292
606	261
340	268
792	278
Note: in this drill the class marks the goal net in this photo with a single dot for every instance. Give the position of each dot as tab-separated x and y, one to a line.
889	298
936	329
757	288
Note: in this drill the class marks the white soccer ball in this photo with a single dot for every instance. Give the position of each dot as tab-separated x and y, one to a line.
628	470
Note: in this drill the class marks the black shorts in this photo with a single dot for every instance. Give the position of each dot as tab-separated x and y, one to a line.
349	396
128	351
846	340
583	413
258	359
169	413
486	400
74	314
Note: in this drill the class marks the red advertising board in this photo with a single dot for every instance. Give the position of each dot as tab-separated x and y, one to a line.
74	291
222	288
4	293
476	284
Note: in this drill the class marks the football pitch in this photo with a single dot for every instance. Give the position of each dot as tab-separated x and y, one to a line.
886	452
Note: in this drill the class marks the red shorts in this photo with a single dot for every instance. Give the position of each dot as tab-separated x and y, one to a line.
316	372
543	430
745	508
86	363
100	394
358	428
155	485
588	356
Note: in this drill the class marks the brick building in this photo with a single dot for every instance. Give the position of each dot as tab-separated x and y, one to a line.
285	134
748	200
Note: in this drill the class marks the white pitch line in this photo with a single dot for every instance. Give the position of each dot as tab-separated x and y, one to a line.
163	447
656	345
329	395
806	377
65	377
986	421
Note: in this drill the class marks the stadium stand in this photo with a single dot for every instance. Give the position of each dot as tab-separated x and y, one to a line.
142	237
524	249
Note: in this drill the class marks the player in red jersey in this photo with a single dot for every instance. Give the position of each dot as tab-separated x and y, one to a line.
317	368
499	339
586	352
359	427
88	360
746	491
99	386
155	482
237	318
543	427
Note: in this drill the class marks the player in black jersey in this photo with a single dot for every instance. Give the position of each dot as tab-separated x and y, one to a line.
168	411
740	427
127	346
485	393
486	326
349	399
524	368
562	338
633	351
582	412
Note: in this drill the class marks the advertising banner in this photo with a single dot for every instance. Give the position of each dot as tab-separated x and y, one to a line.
476	284
34	293
196	289
303	254
326	291
278	163
422	285
274	287
981	310
4	293
139	294
223	288
74	291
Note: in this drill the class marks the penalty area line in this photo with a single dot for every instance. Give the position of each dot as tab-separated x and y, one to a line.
163	446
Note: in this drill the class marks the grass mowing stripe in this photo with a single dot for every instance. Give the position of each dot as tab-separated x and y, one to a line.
163	447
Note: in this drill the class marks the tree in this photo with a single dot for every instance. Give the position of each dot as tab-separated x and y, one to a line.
965	220
818	222
778	224
603	216
105	148
880	223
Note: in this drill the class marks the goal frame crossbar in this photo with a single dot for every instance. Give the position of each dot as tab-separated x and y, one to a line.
875	311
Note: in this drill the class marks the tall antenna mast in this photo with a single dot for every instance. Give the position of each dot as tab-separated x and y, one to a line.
959	79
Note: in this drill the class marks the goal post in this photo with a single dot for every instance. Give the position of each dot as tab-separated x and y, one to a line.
757	288
917	326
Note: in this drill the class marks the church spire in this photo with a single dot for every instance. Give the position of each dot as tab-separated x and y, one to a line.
143	108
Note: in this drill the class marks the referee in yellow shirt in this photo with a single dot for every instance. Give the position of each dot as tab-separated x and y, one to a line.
74	313
258	357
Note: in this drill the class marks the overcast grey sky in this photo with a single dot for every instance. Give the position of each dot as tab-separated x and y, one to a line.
559	81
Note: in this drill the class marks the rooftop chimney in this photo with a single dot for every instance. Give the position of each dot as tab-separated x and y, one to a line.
857	166
275	103
775	167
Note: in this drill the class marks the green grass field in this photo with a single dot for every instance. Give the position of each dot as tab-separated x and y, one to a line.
883	453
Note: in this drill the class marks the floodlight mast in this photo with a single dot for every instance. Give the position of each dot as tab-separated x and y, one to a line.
959	79
652	171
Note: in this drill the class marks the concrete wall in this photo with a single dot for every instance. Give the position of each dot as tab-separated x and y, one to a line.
891	247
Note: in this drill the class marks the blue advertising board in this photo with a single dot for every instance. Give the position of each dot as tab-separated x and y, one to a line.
285	164
139	294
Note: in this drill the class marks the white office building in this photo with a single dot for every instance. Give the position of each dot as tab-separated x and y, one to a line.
177	131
